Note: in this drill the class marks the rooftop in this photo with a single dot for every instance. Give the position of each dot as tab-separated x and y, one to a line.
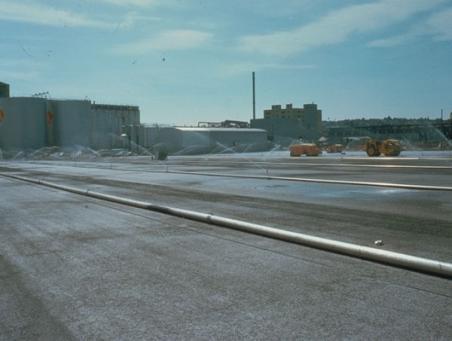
219	129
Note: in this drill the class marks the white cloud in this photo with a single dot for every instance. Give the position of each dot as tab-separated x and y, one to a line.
440	25
34	13
132	18
165	41
139	3
392	41
274	9
336	27
437	25
21	69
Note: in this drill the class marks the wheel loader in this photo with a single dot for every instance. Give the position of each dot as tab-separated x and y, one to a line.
389	147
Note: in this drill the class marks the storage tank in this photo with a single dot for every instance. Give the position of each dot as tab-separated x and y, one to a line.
22	123
104	131
107	122
72	122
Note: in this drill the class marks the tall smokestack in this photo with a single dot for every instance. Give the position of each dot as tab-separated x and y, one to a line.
254	96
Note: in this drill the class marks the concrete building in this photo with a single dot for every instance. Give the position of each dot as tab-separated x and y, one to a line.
224	124
108	122
30	123
285	124
4	90
284	130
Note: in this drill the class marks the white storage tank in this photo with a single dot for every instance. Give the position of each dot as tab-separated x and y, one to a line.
72	122
108	122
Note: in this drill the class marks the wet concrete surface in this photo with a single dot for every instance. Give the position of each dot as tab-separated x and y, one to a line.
433	172
78	268
411	221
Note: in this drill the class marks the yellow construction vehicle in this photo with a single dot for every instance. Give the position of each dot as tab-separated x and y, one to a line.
389	147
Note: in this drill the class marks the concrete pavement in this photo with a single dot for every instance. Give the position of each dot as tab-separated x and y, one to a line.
78	268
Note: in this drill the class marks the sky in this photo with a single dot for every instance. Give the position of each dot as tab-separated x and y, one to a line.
184	61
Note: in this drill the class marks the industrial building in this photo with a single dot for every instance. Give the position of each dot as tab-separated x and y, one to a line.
196	140
423	133
224	124
285	124
4	90
30	123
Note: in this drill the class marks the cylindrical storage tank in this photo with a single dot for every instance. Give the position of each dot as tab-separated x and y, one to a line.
72	122
101	135
133	138
22	123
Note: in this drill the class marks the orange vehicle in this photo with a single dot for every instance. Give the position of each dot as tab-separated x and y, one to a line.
308	149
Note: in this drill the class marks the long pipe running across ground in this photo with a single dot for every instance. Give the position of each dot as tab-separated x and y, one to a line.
413	263
321	181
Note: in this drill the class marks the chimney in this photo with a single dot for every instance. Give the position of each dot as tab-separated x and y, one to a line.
254	96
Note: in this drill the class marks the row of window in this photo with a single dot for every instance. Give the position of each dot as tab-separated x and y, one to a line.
284	116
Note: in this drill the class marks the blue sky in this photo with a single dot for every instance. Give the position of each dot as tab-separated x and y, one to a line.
189	61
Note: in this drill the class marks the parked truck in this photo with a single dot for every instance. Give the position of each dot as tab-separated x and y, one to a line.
308	149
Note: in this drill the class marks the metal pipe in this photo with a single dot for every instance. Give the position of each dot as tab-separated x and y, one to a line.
324	181
396	259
